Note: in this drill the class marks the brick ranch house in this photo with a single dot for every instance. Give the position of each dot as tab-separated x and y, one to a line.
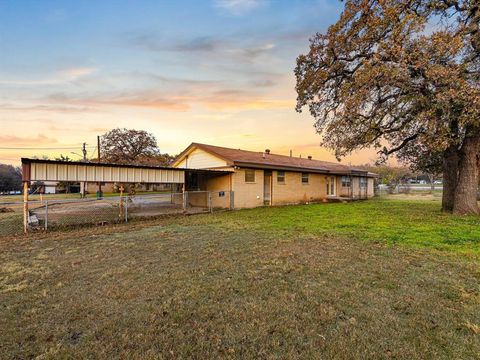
263	178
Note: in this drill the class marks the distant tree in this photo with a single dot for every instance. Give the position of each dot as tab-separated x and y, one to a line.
37	187
157	160
41	157
392	176
378	78
128	146
422	159
63	158
10	178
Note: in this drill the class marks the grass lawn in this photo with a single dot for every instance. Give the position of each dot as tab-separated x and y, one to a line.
376	279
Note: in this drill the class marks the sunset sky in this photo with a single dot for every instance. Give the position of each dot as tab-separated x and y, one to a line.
214	71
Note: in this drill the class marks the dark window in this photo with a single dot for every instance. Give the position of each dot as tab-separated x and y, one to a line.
281	177
305	178
363	182
249	175
346	181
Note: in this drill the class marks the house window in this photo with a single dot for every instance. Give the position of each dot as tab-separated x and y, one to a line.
304	178
281	177
249	175
363	182
346	181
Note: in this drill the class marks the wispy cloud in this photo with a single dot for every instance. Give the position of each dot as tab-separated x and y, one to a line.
47	108
238	7
59	77
250	53
219	45
204	43
210	98
13	140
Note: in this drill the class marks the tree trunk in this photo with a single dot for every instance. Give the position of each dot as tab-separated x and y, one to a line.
450	174
432	184
467	185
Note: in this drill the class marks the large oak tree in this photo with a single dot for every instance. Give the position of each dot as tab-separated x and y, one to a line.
129	146
400	75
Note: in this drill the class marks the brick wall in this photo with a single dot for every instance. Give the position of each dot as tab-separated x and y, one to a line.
294	191
247	195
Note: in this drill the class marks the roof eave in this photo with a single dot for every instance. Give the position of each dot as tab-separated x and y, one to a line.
194	146
137	166
275	167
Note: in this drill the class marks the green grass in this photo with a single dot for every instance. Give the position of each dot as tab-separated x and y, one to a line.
419	224
346	281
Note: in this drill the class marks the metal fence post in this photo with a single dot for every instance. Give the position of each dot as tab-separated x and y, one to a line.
185	201
46	215
209	201
126	210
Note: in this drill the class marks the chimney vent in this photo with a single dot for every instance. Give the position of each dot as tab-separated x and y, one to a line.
267	151
309	157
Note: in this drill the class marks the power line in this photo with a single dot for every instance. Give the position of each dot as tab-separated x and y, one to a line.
93	152
43	148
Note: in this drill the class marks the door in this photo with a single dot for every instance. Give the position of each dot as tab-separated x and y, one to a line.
331	190
267	187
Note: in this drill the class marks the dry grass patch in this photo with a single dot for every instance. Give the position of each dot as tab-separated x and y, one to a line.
207	291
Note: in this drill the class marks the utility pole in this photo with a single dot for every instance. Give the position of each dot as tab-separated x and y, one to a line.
84	151
99	192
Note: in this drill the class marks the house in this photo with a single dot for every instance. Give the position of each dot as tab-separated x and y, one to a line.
263	178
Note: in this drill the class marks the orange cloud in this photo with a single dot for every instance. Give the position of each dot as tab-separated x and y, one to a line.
13	140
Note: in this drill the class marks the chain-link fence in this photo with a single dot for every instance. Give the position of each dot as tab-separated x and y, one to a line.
54	214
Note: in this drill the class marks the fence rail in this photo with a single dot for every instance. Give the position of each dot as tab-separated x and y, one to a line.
63	213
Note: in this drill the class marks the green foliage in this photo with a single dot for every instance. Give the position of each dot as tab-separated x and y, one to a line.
10	178
128	146
377	78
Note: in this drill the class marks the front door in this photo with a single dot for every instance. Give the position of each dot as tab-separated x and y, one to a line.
331	186
267	187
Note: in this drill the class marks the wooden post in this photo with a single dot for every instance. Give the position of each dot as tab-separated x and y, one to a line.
25	206
98	151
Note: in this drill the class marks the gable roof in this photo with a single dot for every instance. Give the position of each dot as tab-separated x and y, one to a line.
261	160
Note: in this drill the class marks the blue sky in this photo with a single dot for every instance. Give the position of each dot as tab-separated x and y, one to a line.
213	71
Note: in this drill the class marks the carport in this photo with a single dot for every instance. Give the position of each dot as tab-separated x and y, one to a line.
192	183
